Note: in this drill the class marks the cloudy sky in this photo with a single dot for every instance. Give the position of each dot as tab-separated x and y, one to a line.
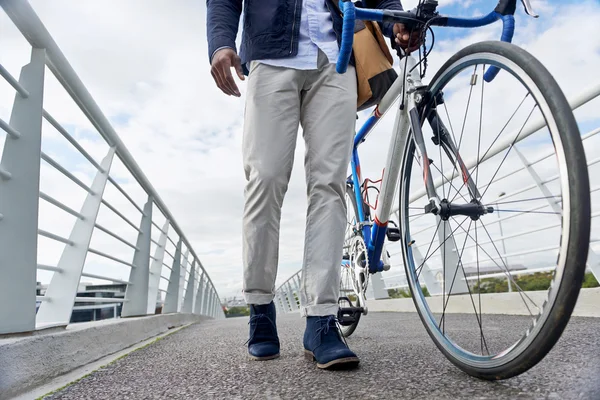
145	62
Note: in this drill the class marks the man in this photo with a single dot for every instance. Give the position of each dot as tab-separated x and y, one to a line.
289	49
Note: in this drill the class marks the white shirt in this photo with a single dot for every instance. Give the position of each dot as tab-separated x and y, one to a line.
316	32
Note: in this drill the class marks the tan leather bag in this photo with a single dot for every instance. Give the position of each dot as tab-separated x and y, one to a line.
373	62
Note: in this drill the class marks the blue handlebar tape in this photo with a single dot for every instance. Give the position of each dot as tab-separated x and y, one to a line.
347	37
507	34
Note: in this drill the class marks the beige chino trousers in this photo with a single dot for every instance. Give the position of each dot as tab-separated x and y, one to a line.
278	100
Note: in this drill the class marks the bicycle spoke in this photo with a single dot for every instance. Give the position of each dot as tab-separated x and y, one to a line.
460	263
466	113
531	212
451	184
509	276
480	124
521	291
420	268
444	302
441	244
509	149
450	123
440	145
479	287
494	141
503	129
442	320
440	150
462	133
531	199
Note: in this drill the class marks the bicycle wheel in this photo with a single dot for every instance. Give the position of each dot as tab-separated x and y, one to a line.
526	176
353	256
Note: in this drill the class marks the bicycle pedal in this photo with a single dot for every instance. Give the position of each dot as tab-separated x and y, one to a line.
347	315
393	234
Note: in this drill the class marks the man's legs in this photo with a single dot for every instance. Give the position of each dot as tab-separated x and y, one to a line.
328	118
270	132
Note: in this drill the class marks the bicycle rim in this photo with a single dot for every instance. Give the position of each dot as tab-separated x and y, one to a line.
565	213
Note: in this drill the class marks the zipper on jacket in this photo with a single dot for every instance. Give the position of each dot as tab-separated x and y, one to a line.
293	27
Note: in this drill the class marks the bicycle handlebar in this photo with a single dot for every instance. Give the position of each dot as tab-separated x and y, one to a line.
347	36
504	11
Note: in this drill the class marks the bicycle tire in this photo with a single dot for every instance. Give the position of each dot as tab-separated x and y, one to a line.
566	294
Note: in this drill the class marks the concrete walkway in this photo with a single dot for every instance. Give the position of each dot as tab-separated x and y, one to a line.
398	361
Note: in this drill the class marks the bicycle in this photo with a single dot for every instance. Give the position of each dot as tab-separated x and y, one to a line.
411	165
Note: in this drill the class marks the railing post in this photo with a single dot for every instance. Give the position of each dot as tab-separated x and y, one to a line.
293	301
214	305
281	303
62	289
195	286
136	295
433	286
287	300
219	309
450	260
297	282
593	260
156	269
276	301
188	301
198	304
213	299
208	302
204	298
378	287
172	297
183	270
19	201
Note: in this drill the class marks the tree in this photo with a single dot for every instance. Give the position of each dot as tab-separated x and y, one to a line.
237	312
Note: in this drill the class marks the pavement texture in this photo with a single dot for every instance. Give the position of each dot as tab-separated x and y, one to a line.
398	361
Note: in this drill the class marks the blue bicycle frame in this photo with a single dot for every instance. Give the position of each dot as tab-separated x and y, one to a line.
374	234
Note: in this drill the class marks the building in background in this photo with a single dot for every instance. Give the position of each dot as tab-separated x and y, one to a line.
84	311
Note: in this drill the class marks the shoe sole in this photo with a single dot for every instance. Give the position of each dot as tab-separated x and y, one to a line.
340	363
255	358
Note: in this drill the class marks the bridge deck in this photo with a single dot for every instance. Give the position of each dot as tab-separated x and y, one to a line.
398	360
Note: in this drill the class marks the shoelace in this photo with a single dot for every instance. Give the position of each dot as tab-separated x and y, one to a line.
256	318
332	322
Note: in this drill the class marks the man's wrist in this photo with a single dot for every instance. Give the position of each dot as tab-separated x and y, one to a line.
220	48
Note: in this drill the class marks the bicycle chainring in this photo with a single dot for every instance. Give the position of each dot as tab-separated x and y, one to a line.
359	262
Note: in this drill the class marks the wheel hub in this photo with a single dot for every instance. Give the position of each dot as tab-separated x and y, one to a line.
473	210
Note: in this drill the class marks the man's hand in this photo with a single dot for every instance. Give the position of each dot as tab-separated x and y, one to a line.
222	62
405	40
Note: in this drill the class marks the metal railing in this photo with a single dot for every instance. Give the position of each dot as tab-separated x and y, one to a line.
131	254
287	294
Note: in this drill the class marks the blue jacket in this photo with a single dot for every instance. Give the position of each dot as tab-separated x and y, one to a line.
271	27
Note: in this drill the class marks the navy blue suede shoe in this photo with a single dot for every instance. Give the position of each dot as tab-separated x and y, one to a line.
263	343
324	344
